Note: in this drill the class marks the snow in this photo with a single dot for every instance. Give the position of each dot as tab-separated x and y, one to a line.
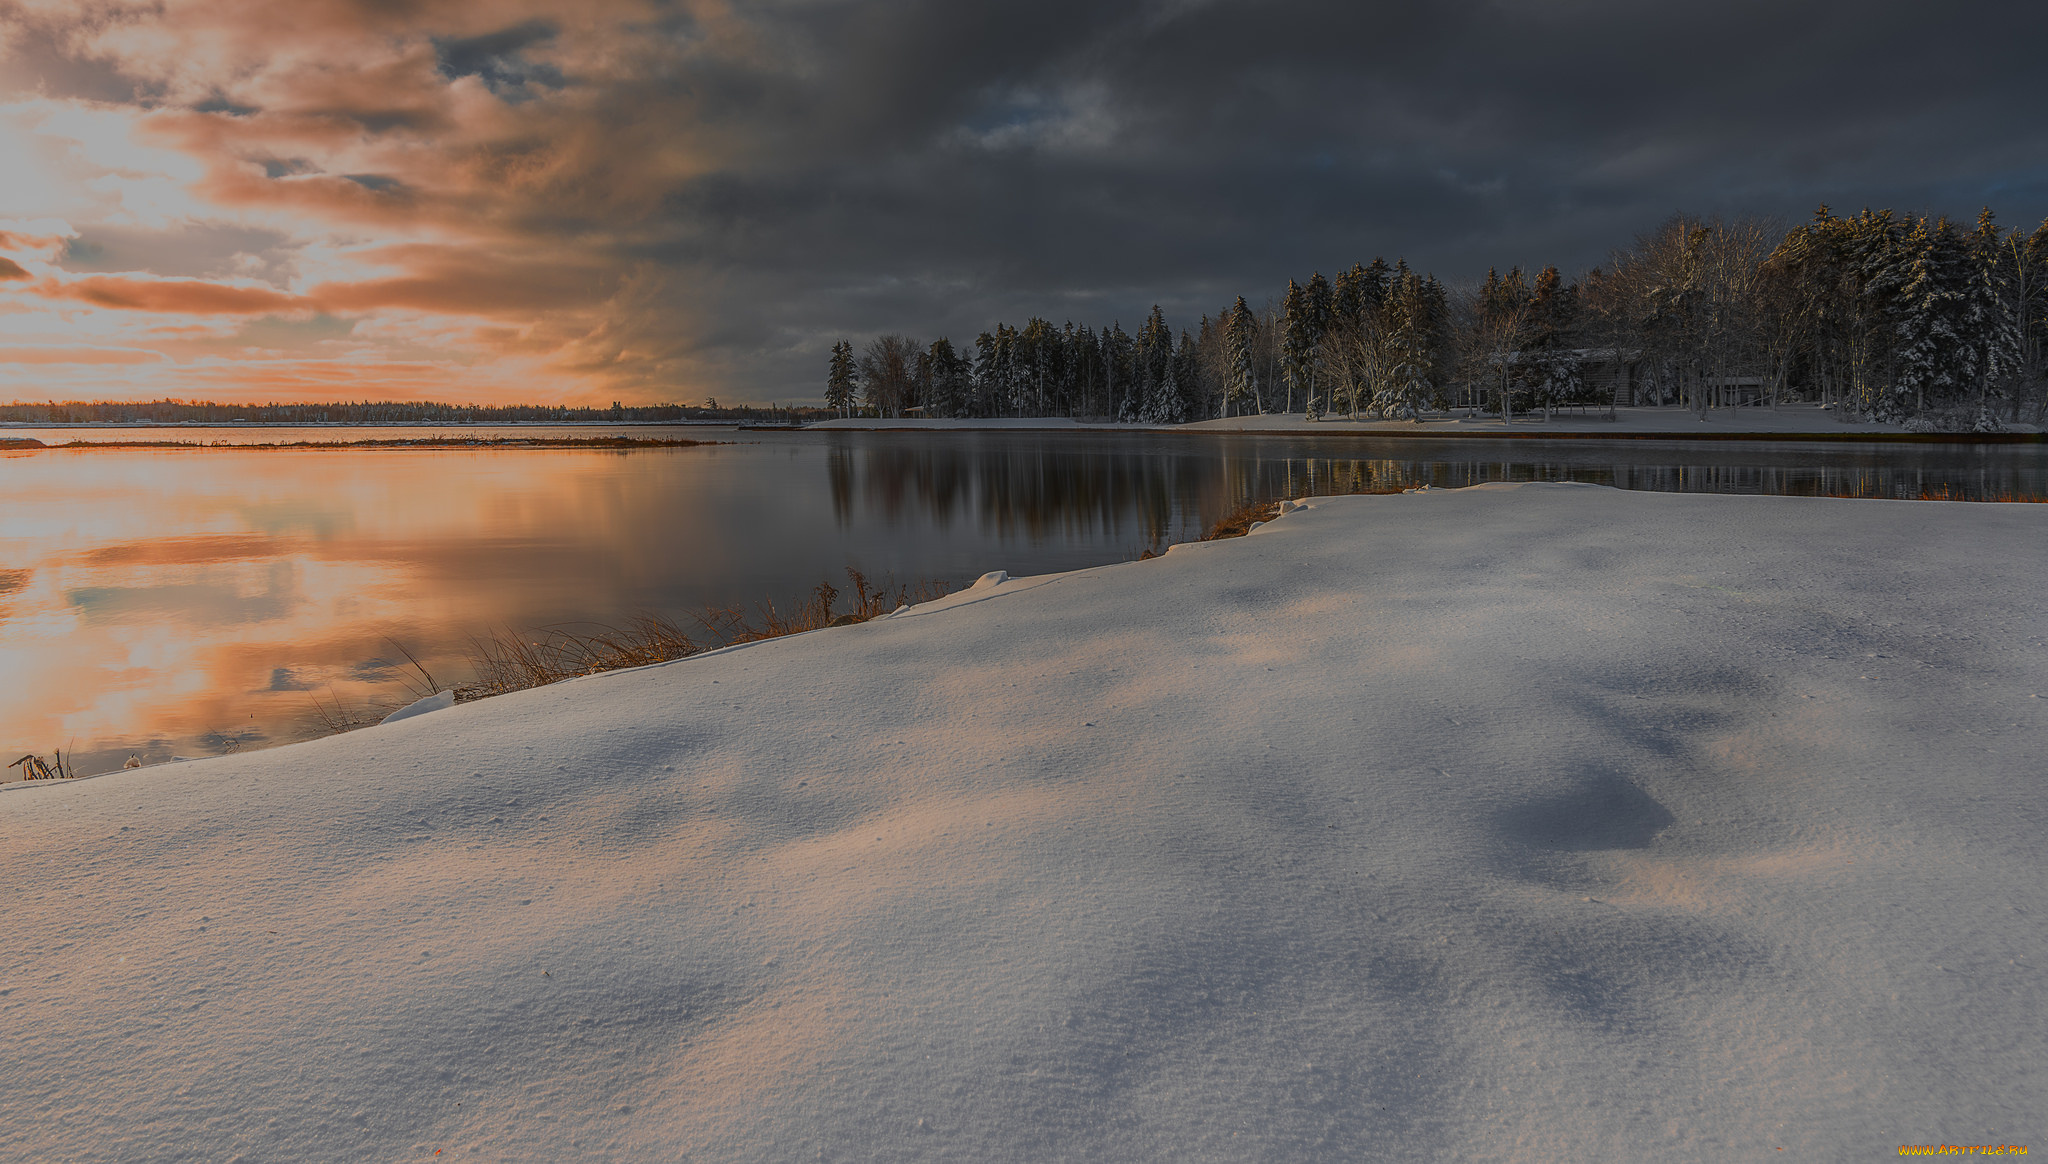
439	701
1063	423
1789	420
1530	822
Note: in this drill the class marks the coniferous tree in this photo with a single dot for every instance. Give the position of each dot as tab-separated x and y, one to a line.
840	384
1996	320
945	376
1317	297
987	379
2029	260
1937	357
1124	391
1187	379
1297	345
1242	336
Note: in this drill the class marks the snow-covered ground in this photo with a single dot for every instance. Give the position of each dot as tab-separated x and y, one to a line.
1063	423
1539	822
1799	419
1789	419
1786	420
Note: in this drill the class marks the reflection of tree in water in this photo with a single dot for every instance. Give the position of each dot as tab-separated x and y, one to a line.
1165	489
1033	491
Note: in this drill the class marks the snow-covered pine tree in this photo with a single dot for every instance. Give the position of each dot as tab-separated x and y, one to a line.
1124	389
1347	298
945	375
840	386
1088	373
1405	388
1241	337
987	377
1996	275
1297	343
2030	257
1321	311
1157	396
1438	331
1372	286
1936	352
1187	379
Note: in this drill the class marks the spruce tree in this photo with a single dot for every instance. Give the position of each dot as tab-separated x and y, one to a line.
945	380
987	376
1297	343
1321	311
1242	334
1936	356
840	385
1187	378
1997	318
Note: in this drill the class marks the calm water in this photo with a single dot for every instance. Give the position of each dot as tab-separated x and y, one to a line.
189	601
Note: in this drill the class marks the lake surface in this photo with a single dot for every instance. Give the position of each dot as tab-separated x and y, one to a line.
191	601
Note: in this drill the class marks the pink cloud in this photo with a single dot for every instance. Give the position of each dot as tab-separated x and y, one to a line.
40	356
183	296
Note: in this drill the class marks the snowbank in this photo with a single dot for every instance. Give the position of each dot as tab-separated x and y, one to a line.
1062	423
1788	420
1511	823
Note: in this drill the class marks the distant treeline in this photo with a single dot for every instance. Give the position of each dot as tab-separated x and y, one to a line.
387	412
1879	315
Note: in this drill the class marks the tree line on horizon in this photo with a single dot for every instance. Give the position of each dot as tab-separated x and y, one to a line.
169	411
1878	315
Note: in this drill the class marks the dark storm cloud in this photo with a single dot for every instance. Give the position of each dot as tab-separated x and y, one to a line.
945	164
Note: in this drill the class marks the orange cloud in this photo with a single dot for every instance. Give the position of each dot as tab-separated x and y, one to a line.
519	160
39	356
184	296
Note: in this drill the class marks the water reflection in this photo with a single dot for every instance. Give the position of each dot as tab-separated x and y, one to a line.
1167	487
187	602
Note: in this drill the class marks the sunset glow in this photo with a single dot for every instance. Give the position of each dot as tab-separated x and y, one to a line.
317	206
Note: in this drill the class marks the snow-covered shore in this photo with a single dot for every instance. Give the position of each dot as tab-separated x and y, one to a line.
1513	823
1792	420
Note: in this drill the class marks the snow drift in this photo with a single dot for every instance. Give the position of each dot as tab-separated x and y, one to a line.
1522	823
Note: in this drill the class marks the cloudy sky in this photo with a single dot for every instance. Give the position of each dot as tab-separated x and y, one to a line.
648	200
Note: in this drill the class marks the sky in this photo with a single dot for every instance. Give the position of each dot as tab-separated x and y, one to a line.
548	202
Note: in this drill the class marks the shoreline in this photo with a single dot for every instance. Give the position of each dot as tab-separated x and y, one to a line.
1786	423
32	445
1507	434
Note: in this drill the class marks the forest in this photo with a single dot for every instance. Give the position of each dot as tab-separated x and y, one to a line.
1880	316
206	412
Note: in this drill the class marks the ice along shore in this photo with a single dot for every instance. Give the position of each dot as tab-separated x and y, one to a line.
1518	822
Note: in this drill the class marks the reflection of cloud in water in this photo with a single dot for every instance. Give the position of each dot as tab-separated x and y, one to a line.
186	551
285	679
309	516
201	603
158	596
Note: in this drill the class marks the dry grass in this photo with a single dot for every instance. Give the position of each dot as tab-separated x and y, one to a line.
34	767
1238	522
513	661
1951	493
